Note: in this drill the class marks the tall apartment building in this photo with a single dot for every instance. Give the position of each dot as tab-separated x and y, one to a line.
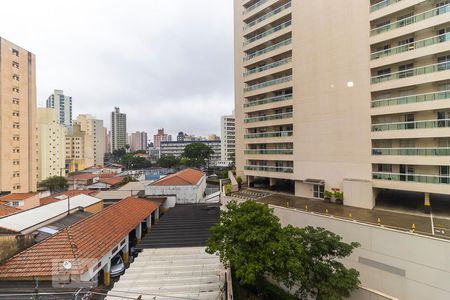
62	105
228	137
138	141
351	95
18	135
79	149
118	129
95	132
161	137
176	148
52	144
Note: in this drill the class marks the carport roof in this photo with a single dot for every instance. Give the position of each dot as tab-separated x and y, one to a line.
82	243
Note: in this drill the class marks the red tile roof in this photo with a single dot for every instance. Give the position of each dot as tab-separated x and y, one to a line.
82	243
106	175
112	180
71	193
185	177
83	176
7	210
17	196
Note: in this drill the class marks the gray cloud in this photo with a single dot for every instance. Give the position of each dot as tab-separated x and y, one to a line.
165	63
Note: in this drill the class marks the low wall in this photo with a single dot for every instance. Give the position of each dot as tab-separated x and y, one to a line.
392	264
10	245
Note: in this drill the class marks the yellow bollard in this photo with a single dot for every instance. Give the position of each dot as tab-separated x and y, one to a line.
350	216
379	221
413	227
306	207
287	203
326	211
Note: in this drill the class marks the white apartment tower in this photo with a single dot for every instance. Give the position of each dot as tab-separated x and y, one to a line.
228	137
118	129
351	95
95	131
62	105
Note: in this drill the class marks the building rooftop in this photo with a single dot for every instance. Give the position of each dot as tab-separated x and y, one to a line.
82	243
54	227
185	225
17	196
83	176
184	177
6	210
112	180
64	195
26	220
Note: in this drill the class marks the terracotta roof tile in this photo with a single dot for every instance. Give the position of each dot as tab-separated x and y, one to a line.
82	243
112	180
17	196
71	193
185	177
83	176
7	210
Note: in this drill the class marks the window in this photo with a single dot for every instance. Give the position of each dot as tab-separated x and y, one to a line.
15	52
15	89
443	34
383	26
407	43
385	168
405	70
444	172
409	120
16	125
16	162
384	73
15	113
405	19
319	190
15	101
15	77
442	7
15	203
16	138
15	64
443	62
16	150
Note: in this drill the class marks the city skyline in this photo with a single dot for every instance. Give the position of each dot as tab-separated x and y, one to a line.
146	73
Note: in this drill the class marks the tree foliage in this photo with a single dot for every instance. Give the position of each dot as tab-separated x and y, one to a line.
168	161
197	154
55	184
250	239
132	162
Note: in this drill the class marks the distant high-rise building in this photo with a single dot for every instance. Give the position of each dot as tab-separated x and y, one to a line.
138	141
213	137
161	137
52	144
95	132
180	136
18	151
118	129
107	142
78	149
228	137
62	105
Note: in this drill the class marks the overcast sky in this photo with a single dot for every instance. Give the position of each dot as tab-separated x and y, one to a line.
165	63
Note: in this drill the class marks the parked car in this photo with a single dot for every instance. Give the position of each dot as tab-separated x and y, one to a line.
117	266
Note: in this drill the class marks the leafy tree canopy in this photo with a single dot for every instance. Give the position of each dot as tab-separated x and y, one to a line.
168	161
198	151
55	184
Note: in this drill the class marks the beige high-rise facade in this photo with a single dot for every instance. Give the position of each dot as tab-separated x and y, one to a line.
79	149
95	133
18	142
349	95
52	144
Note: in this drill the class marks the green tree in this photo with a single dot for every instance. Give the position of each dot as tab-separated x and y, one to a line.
246	239
132	162
198	154
55	184
250	239
168	161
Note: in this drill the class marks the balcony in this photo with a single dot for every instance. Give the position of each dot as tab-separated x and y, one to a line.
411	20
427	124
268	100
442	95
434	179
268	32
254	6
268	49
269	169
268	134
382	4
411	46
268	15
440	151
412	72
269	152
269	117
268	66
268	83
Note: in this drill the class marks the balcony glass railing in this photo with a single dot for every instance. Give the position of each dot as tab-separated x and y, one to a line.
441	151
443	66
254	6
268	49
269	151
268	32
442	95
270	169
427	124
435	179
268	15
268	134
412	46
411	20
382	4
268	83
268	100
268	117
268	66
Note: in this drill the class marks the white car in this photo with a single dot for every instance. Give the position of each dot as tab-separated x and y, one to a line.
117	266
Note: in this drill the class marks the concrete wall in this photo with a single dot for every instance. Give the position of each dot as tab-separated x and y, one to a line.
398	264
184	193
12	244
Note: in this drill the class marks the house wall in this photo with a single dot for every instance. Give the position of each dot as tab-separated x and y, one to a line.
184	193
10	245
95	208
